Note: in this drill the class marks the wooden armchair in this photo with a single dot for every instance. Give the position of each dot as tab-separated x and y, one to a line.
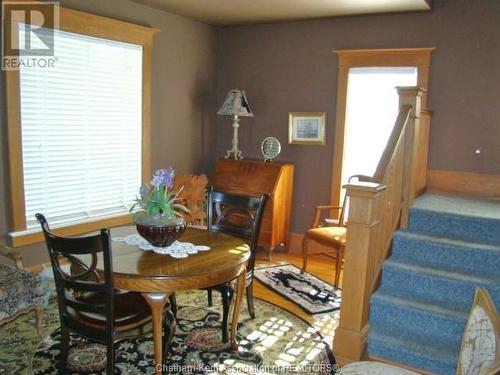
332	238
20	290
331	233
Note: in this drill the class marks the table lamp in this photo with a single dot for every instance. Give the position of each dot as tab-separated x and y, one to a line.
235	105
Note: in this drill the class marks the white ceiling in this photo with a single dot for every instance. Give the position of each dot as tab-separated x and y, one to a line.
239	12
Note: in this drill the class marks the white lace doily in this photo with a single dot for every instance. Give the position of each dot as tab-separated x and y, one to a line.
176	250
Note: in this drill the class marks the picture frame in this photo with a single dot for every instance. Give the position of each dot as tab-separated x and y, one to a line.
307	128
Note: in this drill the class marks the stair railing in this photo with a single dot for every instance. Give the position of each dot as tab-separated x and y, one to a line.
378	207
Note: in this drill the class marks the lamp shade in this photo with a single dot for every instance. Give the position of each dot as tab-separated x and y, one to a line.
236	103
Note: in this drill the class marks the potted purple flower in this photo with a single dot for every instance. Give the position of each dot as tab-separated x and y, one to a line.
157	211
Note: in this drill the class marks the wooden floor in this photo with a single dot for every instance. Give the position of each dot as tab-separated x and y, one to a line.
319	265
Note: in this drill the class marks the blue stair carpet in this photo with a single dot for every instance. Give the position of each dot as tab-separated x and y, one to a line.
418	314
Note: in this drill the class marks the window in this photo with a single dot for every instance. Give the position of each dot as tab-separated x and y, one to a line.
371	110
83	128
359	67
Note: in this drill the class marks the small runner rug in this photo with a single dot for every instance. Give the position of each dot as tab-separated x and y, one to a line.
305	290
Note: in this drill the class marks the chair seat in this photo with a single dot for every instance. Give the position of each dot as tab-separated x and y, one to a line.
130	310
328	235
20	290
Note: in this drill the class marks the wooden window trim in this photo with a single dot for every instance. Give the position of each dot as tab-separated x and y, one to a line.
419	57
91	25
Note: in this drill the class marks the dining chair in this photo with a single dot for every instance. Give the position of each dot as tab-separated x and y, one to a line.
240	216
330	233
88	304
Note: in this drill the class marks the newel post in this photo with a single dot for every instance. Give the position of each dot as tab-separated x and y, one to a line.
349	343
410	96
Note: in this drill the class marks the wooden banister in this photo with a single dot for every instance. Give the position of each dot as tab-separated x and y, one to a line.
392	144
377	209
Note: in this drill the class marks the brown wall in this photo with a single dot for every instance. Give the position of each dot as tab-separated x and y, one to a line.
290	67
184	58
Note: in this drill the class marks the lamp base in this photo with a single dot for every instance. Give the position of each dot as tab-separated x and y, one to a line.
233	154
236	154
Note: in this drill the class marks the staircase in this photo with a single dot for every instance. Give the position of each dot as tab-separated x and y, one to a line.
418	314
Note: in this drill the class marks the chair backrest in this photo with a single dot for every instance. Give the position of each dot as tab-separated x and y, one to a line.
480	348
237	215
84	278
193	196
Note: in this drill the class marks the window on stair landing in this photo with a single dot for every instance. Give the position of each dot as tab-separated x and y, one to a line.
367	106
371	111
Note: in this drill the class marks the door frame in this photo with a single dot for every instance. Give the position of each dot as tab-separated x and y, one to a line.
417	57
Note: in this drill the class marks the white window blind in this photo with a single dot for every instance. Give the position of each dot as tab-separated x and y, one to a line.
82	130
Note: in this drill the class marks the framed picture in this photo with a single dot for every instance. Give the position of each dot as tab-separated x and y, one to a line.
306	128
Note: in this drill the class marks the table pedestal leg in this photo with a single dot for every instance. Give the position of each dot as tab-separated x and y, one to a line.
236	308
157	302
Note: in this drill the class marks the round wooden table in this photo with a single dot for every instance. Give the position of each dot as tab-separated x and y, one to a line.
157	276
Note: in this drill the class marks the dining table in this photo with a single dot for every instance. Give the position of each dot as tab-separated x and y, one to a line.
157	276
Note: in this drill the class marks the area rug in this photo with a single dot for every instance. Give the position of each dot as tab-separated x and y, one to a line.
313	295
276	342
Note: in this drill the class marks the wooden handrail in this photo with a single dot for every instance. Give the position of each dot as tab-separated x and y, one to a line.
377	209
392	144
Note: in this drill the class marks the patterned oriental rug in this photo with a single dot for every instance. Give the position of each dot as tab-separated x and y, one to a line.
308	292
276	342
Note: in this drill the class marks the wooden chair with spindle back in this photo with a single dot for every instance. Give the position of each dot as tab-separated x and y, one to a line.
88	304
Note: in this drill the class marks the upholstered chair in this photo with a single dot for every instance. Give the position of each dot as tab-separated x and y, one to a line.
20	290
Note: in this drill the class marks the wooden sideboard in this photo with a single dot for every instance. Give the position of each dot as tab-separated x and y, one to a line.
252	177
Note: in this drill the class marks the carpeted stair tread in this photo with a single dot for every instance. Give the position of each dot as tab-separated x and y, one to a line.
431	290
449	241
412	352
430	348
419	304
450	254
460	218
440	287
441	326
483	208
418	268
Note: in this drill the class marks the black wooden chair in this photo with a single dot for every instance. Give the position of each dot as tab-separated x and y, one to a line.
239	216
88	304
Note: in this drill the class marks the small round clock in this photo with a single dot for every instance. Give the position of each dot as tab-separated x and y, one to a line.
270	148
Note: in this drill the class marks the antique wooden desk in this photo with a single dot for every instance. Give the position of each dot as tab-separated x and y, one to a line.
254	177
157	276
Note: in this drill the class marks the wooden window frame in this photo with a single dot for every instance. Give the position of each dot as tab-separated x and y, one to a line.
95	26
347	59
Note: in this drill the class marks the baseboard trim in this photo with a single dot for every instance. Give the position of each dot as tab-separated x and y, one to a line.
463	183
